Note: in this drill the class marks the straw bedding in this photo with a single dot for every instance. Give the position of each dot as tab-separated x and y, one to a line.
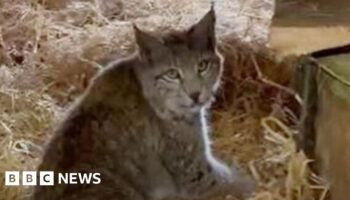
49	50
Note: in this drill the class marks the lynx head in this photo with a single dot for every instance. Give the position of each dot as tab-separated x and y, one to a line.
180	71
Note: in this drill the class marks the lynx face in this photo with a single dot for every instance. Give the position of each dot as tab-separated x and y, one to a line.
182	70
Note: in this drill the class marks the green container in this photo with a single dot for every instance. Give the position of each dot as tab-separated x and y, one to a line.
323	83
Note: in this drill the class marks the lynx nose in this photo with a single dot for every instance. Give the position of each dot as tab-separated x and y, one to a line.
195	96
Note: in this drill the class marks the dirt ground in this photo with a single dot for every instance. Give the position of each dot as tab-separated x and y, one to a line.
304	26
312	13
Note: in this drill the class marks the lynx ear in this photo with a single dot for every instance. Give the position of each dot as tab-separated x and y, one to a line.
149	46
202	34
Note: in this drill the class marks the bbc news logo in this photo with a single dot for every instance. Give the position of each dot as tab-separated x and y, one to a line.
47	178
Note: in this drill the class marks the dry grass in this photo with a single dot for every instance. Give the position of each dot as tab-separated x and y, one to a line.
256	121
49	49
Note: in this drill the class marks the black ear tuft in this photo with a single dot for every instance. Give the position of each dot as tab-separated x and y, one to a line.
212	4
202	34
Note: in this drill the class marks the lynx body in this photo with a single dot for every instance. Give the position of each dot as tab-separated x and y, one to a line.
142	125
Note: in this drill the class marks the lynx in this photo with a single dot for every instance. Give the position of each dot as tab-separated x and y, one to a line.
142	125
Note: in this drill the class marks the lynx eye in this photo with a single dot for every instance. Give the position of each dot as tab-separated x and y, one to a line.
172	74
203	66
